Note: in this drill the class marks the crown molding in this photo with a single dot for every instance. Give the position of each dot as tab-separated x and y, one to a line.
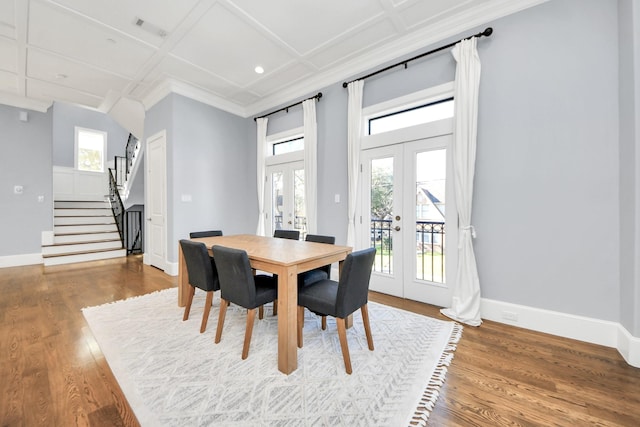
172	86
24	102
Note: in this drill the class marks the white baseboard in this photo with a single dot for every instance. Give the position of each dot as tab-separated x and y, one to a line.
18	260
595	331
172	268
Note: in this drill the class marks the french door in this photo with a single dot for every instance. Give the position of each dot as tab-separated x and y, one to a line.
285	198
408	217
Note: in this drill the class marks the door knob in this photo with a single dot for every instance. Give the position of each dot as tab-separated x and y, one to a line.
397	217
289	222
397	228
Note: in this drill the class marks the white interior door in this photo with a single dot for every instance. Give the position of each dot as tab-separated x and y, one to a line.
405	211
156	200
285	198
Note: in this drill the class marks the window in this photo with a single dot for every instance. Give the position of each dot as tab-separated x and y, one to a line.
90	149
412	116
288	146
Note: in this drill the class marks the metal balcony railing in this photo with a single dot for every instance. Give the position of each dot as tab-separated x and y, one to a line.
430	241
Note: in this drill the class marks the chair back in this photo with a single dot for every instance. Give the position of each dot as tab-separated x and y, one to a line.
353	287
320	239
330	240
287	234
210	233
200	267
236	278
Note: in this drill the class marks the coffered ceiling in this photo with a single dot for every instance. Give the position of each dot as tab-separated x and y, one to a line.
96	53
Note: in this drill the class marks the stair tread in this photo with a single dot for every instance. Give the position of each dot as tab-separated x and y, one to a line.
81	242
79	233
94	251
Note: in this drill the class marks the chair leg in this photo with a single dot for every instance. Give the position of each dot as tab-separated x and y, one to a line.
324	323
207	309
275	307
367	327
251	317
342	334
187	307
261	312
223	310
300	324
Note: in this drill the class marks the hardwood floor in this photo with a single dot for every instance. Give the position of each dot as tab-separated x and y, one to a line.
52	372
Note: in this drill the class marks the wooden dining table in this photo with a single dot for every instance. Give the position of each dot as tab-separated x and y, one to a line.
283	257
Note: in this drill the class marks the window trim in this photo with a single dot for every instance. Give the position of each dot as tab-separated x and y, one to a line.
282	137
423	97
104	134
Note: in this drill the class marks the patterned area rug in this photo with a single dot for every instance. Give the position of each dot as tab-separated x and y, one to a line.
172	375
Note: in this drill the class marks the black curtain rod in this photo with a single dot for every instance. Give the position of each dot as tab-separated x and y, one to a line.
317	96
487	32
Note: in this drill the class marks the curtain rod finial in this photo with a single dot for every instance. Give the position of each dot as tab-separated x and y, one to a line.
487	32
319	95
345	84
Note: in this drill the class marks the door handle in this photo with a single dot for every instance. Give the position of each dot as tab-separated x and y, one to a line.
148	219
397	228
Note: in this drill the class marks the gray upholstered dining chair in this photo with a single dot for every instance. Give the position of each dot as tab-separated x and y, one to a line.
202	274
238	285
287	234
210	233
342	298
310	277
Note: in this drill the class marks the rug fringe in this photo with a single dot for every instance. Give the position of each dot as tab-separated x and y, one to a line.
432	390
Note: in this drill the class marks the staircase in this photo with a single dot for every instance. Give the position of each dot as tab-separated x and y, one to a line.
83	231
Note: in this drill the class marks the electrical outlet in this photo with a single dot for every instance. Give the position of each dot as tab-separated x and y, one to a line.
511	316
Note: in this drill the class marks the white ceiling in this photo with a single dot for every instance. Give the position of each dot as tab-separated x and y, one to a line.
92	53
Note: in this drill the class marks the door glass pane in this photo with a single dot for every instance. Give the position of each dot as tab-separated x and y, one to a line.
382	213
277	199
299	211
430	215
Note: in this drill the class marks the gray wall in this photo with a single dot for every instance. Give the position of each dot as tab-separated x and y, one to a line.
210	159
26	161
67	117
546	205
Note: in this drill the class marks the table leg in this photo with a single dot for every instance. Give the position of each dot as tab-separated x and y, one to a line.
287	319
183	279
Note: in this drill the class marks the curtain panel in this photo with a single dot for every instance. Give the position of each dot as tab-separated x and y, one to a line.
465	302
310	165
262	152
354	137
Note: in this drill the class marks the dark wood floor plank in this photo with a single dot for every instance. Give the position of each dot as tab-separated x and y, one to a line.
54	373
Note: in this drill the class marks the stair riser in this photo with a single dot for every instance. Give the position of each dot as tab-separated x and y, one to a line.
79	238
82	212
65	229
83	220
57	250
83	205
84	257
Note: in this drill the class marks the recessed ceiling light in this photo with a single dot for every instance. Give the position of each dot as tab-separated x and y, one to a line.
259	69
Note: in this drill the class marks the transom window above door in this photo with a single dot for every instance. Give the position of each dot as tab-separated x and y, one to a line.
438	110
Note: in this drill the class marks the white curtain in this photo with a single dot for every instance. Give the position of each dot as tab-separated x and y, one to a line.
354	117
310	165
465	304
262	152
